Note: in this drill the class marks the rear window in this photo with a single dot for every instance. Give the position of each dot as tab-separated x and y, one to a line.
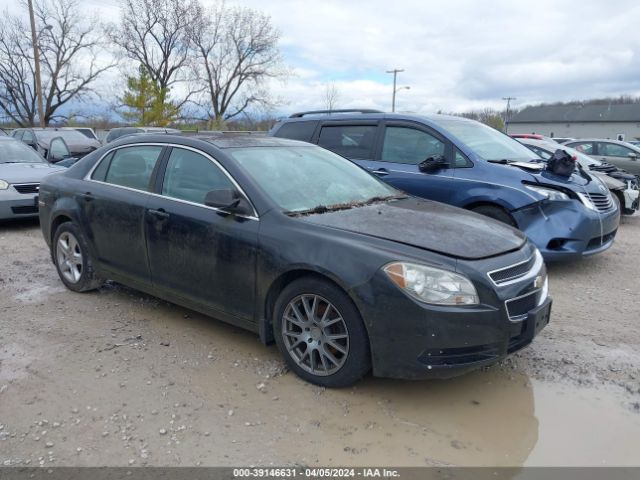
351	141
297	131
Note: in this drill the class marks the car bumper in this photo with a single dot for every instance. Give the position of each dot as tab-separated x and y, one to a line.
411	340
17	205
567	230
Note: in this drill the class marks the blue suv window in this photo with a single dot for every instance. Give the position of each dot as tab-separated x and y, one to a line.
408	145
297	130
351	141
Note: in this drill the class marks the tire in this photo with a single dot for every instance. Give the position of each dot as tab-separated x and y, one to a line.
73	263
496	213
331	349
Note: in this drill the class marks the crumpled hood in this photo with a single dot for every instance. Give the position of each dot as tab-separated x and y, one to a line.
428	225
26	172
538	173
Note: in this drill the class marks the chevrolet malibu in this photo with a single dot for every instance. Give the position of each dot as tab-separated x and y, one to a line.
301	246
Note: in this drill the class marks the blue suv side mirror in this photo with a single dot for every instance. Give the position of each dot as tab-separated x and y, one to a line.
435	162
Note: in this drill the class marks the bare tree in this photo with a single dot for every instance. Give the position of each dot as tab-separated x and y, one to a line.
331	96
237	51
69	58
153	33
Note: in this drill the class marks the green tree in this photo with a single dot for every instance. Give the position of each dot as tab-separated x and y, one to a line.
146	103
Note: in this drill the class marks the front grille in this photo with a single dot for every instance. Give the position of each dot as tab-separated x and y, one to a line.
512	272
27	187
518	308
24	210
598	241
602	202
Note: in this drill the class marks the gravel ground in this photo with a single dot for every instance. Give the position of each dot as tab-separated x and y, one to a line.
115	377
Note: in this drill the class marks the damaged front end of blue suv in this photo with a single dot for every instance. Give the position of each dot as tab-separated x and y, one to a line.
470	165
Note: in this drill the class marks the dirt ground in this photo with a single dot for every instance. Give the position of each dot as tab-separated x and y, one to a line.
115	377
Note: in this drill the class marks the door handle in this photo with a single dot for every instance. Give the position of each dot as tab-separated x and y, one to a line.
87	196
381	172
160	213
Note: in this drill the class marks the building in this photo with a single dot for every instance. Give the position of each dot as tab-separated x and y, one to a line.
621	121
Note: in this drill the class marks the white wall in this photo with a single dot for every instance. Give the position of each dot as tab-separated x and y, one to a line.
631	131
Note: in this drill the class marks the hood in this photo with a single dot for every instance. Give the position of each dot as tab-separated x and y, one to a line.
578	182
428	225
610	182
26	172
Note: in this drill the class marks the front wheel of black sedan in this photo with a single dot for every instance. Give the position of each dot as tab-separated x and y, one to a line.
320	333
72	259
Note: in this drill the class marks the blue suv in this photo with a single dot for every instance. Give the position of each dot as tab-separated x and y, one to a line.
470	165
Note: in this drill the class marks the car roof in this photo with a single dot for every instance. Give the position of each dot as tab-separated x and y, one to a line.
433	117
221	140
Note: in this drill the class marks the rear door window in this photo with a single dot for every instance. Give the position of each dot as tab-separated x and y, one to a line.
409	145
132	166
350	141
297	130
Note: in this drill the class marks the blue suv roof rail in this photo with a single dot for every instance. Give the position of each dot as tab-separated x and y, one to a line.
348	110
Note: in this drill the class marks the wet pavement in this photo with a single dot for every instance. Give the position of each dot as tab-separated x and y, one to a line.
116	377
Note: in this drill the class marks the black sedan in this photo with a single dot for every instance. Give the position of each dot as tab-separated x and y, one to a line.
301	246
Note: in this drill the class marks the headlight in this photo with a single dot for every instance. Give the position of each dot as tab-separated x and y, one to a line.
550	193
432	285
3	185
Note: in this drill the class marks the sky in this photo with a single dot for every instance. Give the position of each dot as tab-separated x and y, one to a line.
457	55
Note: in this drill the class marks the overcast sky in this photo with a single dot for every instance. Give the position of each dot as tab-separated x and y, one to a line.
457	55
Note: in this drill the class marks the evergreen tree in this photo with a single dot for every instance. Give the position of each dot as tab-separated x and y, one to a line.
146	103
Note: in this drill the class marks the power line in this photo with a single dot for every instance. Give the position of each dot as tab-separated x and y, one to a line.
395	72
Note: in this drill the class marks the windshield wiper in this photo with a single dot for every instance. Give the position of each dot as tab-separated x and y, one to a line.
345	206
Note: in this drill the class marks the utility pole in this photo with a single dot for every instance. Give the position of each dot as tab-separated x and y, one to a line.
395	72
506	115
36	59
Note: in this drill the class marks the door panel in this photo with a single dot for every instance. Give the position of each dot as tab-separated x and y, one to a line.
115	215
196	252
403	148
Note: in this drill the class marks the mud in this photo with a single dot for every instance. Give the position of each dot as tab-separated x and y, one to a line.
115	377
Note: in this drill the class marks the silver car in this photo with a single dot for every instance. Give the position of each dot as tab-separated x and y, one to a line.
621	154
21	170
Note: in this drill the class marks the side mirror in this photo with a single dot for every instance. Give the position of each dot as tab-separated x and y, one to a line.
226	199
435	162
633	156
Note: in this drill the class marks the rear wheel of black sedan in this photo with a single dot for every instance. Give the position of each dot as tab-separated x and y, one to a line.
72	259
320	333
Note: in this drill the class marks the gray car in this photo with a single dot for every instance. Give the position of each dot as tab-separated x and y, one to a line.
621	154
21	170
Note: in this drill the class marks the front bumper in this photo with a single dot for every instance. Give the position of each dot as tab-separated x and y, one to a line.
17	205
567	230
412	340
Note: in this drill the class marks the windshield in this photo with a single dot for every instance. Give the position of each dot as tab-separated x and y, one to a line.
487	142
299	179
14	151
68	135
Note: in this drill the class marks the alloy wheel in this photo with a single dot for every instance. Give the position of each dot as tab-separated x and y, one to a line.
69	257
315	334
